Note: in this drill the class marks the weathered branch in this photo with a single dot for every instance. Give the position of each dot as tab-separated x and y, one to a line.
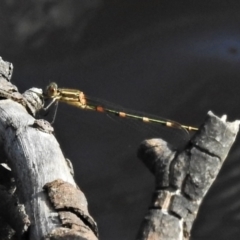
182	179
42	175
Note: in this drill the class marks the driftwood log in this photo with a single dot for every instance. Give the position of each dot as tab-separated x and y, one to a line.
39	198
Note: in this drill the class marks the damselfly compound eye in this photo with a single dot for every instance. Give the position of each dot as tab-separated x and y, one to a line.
51	90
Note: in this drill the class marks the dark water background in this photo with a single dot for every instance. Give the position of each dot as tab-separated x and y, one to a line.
175	59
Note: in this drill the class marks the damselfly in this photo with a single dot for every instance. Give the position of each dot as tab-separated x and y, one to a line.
79	99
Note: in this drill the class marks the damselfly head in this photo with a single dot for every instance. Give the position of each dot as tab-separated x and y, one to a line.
51	90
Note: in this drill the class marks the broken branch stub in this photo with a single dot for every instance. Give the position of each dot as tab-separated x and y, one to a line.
183	178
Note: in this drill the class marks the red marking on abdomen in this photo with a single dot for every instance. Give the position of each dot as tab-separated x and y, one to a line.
122	114
100	109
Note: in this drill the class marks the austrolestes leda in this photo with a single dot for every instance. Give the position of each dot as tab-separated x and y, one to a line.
78	99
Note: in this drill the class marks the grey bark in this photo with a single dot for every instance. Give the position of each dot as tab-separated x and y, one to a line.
41	173
183	178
